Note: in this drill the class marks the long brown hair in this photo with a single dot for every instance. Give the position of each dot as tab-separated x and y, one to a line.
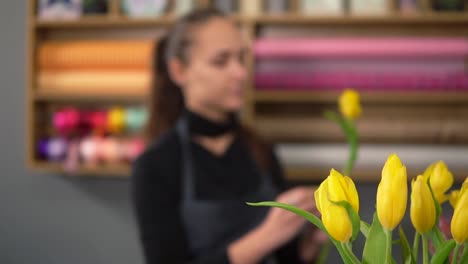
167	101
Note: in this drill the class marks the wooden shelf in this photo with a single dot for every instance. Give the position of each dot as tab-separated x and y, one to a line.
88	96
390	19
110	171
295	174
291	96
104	22
121	21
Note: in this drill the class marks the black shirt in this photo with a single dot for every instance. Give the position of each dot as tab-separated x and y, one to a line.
156	191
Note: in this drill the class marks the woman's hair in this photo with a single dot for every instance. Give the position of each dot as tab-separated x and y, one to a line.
167	102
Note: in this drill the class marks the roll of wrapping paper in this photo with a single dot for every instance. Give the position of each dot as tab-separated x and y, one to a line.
362	81
95	54
363	65
132	80
361	47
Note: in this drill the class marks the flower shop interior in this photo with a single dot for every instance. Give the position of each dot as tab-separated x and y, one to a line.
339	84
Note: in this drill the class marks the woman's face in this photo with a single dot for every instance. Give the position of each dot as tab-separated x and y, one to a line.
215	76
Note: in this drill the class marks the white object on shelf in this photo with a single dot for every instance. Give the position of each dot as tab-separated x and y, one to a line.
182	7
369	7
322	7
144	8
64	9
251	7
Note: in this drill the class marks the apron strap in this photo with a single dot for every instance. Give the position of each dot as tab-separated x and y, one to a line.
187	179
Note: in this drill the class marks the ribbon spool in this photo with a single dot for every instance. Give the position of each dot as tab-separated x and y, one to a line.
135	118
56	149
116	120
89	150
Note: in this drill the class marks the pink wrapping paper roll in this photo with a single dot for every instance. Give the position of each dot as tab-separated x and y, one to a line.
361	47
387	82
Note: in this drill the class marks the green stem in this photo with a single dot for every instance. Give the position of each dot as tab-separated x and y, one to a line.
322	258
425	250
464	256
349	253
455	254
416	247
388	250
353	146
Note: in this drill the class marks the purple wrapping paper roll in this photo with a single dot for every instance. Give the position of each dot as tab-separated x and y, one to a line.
360	47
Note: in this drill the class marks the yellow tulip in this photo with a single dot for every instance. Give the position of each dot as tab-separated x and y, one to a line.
422	211
392	193
441	180
350	106
459	225
336	188
455	195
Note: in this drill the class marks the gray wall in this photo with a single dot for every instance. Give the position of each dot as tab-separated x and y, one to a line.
51	219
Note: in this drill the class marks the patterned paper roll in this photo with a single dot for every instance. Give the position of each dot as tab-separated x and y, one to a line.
361	47
227	6
95	54
144	8
94	80
276	6
116	120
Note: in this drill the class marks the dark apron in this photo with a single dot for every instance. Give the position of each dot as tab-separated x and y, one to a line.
211	224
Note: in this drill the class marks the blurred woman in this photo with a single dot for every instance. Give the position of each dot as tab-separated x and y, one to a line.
191	184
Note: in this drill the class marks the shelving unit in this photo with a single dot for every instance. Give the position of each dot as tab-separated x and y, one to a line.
259	103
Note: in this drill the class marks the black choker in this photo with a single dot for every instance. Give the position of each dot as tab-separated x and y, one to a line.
199	125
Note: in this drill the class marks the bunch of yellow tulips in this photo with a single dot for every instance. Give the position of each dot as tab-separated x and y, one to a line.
338	203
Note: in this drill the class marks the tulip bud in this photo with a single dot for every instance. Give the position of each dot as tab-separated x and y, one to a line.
335	218
350	106
422	211
392	193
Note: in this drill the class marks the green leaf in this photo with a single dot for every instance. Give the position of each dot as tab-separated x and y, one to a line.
365	227
408	257
374	249
310	217
464	257
436	237
353	216
443	252
315	221
436	203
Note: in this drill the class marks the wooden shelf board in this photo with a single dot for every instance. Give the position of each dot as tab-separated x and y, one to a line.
291	96
397	19
104	21
293	173
391	19
103	171
58	96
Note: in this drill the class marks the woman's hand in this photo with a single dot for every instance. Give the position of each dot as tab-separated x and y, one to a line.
280	226
311	243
